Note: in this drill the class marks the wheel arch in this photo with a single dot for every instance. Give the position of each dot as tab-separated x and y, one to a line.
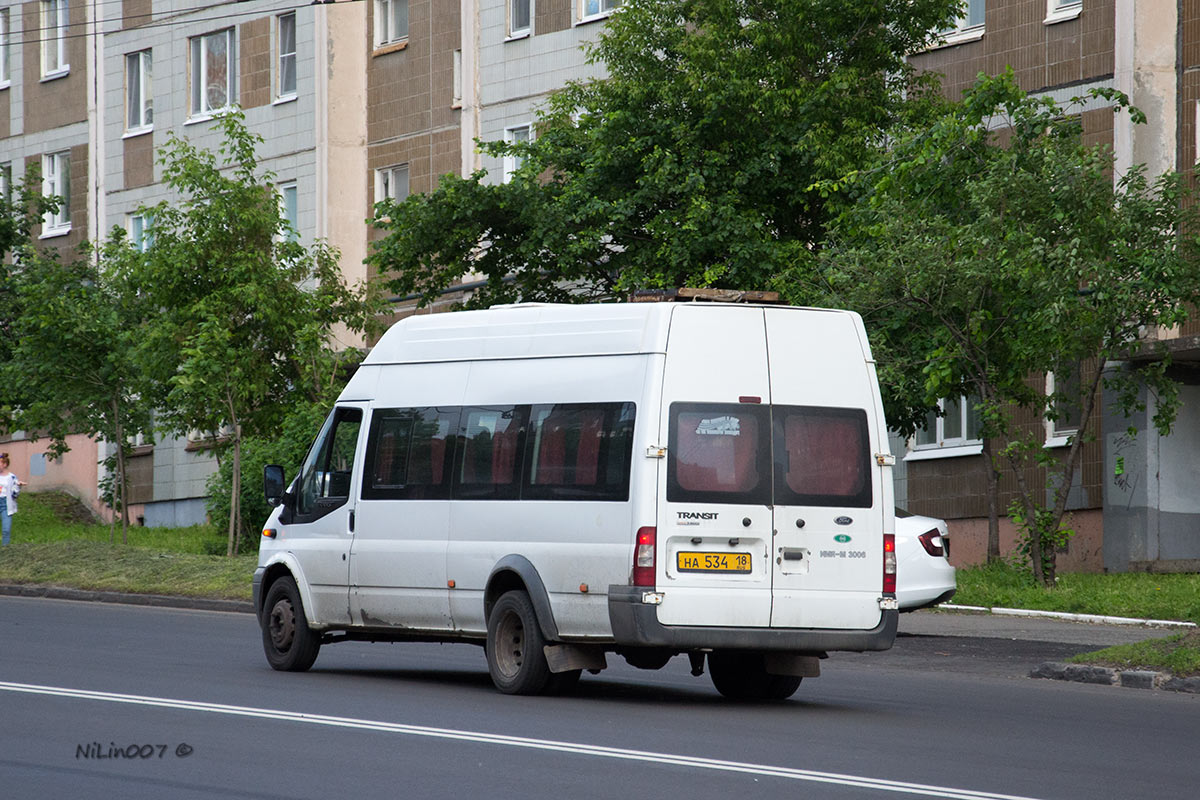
517	572
285	566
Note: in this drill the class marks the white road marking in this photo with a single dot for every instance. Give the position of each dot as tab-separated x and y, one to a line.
597	751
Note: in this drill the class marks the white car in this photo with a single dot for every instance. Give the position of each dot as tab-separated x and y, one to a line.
924	576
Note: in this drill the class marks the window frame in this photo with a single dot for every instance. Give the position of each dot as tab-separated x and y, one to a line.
605	9
289	215
1056	436
198	84
321	450
5	50
55	18
5	181
758	495
512	30
373	490
56	181
137	225
282	58
943	447
513	163
1058	11
144	61
385	10
385	181
963	30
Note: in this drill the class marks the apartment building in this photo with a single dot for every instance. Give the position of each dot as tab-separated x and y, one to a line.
1133	499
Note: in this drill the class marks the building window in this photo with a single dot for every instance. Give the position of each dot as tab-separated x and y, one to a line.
139	96
212	72
518	134
953	432
54	38
138	226
1062	10
392	183
56	182
288	205
1062	397
592	9
391	21
5	68
519	16
969	26
5	182
456	100
286	42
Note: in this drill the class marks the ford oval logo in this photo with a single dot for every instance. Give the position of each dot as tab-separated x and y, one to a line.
841	537
843	521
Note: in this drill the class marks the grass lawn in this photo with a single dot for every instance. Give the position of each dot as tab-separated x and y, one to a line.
56	543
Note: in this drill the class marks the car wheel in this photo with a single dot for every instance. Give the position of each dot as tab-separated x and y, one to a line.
290	644
515	654
744	676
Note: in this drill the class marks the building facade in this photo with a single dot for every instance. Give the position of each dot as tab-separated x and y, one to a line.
1133	499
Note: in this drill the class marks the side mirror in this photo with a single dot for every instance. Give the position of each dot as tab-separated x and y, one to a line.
273	484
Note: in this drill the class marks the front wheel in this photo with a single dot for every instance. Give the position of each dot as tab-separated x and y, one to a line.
515	654
744	676
290	645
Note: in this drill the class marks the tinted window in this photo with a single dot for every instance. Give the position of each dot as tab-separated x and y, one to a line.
489	458
822	457
579	451
410	453
719	453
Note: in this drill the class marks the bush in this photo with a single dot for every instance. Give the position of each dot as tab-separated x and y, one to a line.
287	448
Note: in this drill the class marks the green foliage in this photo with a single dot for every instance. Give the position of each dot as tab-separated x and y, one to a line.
697	161
285	446
244	315
1178	654
1046	528
73	349
980	260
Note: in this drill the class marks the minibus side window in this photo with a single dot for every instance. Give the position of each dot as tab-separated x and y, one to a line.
329	467
719	453
489	459
409	454
822	457
579	451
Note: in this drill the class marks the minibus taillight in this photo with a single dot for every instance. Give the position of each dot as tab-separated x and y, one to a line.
889	563
643	557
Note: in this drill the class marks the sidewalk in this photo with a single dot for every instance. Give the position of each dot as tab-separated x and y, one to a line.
1028	628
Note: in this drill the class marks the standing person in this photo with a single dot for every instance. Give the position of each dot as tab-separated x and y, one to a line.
10	487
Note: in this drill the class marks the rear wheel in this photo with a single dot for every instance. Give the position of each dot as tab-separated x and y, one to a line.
744	676
515	654
289	643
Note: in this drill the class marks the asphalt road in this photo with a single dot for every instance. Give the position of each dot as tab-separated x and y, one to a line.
109	701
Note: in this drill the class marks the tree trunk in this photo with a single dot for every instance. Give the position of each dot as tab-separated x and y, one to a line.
235	493
993	501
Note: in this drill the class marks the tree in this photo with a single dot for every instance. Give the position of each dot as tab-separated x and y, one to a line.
72	354
983	259
244	314
689	165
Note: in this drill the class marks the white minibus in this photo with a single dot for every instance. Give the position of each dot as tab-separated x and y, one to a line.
566	483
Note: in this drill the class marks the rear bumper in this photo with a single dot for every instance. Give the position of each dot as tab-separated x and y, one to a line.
635	623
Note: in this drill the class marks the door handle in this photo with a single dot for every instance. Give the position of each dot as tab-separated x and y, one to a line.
352	522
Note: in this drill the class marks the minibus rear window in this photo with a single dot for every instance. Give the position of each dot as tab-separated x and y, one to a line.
719	453
822	457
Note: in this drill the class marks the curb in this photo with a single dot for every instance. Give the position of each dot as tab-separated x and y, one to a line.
154	600
1063	615
1106	676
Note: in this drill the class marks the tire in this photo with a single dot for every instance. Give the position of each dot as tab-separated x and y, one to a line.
516	660
744	676
290	645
